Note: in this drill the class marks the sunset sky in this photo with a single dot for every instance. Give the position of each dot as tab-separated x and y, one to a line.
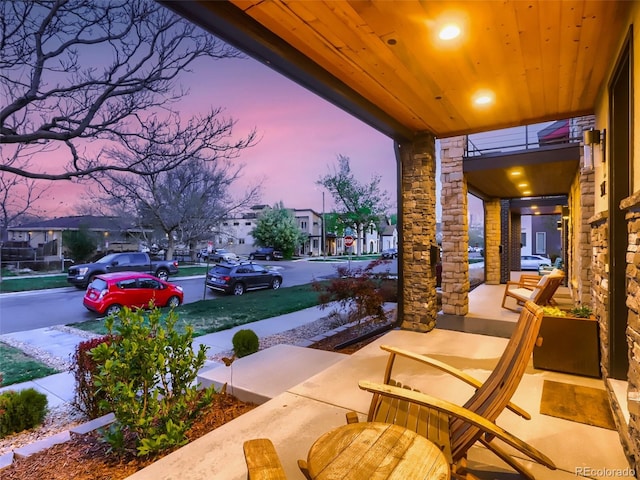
300	135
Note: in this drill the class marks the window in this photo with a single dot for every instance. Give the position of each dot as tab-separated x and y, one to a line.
127	284
541	242
303	224
235	224
241	241
523	239
149	283
248	224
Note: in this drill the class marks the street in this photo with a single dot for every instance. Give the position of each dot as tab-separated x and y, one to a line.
44	308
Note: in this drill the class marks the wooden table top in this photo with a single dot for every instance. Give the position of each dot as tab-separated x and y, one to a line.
372	450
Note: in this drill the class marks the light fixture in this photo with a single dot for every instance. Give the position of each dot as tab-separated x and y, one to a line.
523	184
449	32
593	137
482	98
515	173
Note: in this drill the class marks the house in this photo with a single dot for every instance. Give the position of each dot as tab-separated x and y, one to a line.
513	64
111	233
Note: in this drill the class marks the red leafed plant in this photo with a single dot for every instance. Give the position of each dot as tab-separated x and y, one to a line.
359	292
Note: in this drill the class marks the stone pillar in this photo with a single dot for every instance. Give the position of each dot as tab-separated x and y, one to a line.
492	241
578	266
418	207
455	228
505	228
515	241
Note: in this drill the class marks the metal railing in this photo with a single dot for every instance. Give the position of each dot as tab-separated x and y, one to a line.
516	139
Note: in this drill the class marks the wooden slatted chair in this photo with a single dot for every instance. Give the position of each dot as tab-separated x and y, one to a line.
524	290
456	428
262	460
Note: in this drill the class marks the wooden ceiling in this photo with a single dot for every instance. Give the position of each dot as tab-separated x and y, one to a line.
383	61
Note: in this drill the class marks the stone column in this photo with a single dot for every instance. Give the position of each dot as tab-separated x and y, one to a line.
418	213
492	241
505	229
455	228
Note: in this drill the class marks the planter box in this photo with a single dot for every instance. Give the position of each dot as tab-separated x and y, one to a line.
569	345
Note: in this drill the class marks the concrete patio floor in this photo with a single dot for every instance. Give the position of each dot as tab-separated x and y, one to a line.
296	417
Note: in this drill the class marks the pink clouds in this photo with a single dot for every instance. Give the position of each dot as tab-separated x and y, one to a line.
300	135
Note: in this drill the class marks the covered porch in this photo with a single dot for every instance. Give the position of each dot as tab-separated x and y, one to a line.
294	418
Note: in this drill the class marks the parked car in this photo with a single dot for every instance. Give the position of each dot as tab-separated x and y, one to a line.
82	275
108	293
219	255
533	262
239	277
266	253
389	253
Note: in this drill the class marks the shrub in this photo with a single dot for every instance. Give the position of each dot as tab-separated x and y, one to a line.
148	376
88	396
583	311
245	342
359	292
21	410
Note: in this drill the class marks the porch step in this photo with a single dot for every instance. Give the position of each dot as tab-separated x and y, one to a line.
263	375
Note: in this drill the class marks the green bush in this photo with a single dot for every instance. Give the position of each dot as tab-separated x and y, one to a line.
88	397
245	342
21	410
148	375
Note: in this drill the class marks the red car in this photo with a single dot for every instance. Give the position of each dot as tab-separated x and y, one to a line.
108	293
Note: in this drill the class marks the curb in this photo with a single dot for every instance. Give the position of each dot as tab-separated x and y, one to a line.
61	437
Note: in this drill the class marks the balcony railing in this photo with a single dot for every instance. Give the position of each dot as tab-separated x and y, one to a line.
527	137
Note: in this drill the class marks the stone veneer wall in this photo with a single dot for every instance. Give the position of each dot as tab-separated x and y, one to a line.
583	209
600	282
582	294
632	206
455	228
505	229
515	242
492	236
418	197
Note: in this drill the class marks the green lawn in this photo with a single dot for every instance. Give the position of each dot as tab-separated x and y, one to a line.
43	281
207	316
17	367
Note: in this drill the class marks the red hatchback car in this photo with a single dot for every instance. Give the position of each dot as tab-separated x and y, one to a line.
108	293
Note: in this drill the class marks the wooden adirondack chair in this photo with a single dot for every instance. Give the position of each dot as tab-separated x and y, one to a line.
540	293
456	428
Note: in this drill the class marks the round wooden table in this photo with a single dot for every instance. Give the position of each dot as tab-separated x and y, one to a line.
371	450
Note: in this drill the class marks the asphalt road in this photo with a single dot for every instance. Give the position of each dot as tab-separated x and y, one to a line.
44	308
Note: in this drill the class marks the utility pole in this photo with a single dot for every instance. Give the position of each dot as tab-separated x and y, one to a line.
324	238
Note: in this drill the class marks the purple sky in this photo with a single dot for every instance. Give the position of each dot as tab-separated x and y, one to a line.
300	135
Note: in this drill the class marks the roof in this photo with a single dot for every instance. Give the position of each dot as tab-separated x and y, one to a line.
91	222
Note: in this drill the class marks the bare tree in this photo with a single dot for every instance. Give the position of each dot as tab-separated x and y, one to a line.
76	72
185	203
18	195
357	204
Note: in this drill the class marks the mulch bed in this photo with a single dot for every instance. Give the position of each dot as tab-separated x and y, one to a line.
89	458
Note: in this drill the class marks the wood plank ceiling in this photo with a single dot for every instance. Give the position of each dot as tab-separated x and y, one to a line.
383	61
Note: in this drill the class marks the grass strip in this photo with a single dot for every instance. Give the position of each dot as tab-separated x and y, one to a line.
45	281
207	316
17	367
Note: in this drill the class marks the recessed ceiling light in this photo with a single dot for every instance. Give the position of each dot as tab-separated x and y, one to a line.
523	184
526	192
483	98
515	173
449	32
